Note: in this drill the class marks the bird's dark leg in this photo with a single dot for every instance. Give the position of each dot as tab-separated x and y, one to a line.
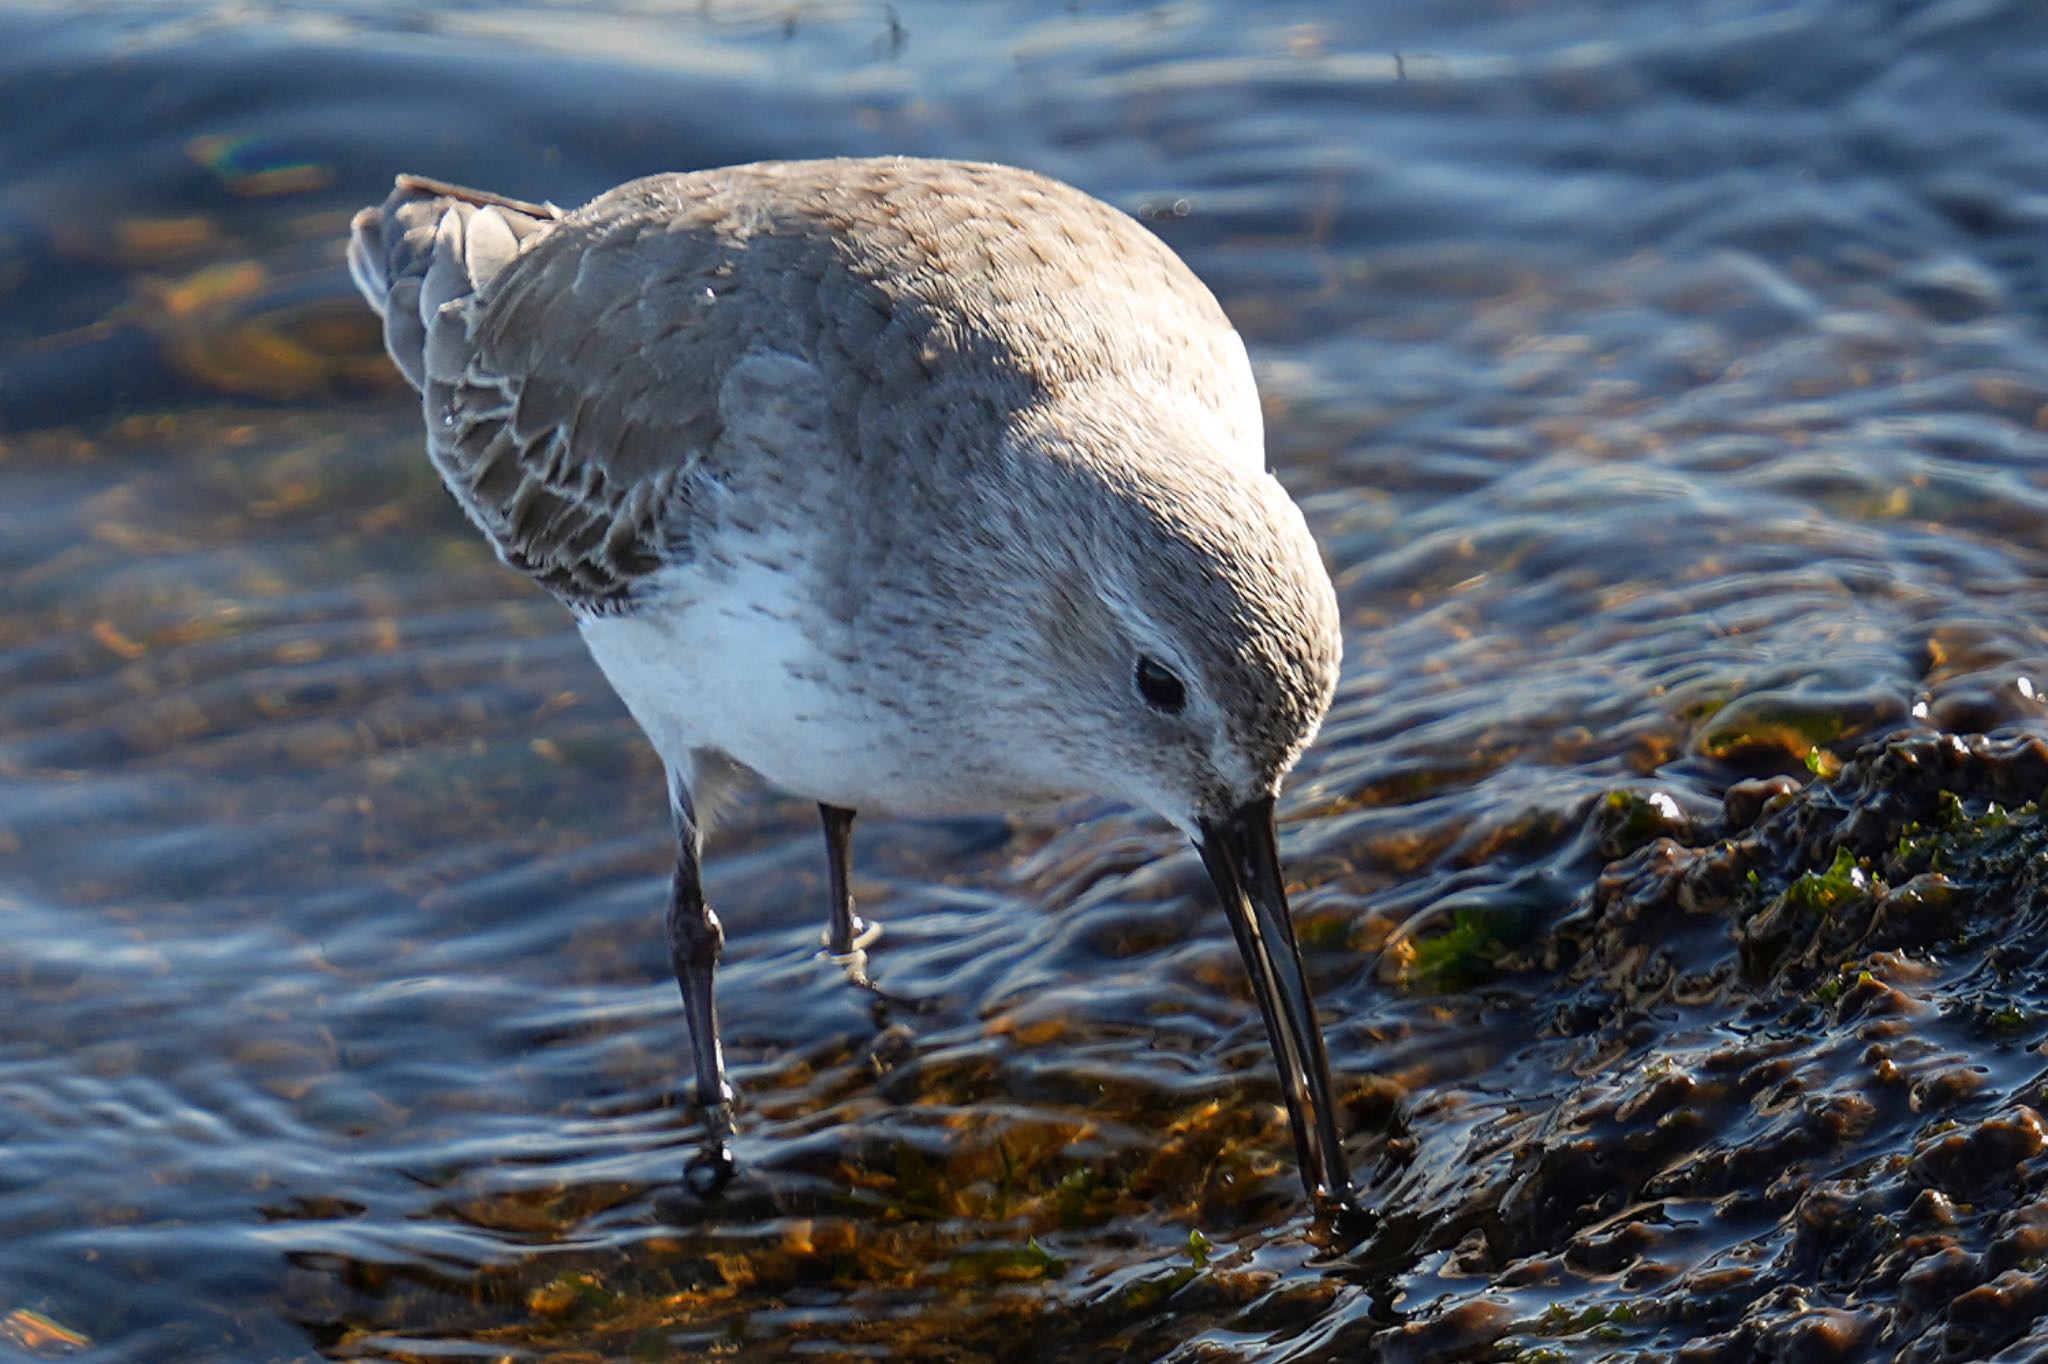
695	941
848	935
848	932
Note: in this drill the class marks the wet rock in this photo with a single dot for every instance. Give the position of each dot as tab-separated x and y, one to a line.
2033	1349
1939	1278
1613	1251
2022	1239
1971	1163
1823	1334
1535	1269
1932	1209
1925	910
1457	1334
1994	1314
1779	729
1622	821
1808	1038
1746	801
1784	1328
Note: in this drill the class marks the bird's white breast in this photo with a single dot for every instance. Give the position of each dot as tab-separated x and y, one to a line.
733	670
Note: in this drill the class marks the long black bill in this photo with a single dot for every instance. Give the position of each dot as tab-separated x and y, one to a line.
1244	863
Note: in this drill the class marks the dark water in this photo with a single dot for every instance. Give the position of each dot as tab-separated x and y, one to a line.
1669	385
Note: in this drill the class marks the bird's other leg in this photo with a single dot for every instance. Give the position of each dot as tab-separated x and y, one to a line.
695	940
848	935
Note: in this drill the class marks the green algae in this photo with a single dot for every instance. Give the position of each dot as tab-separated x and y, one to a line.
1018	1264
1463	954
1990	840
1844	879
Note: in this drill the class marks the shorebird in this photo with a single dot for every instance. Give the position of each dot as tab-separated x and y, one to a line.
914	487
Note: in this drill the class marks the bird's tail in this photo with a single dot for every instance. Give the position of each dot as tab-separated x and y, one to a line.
428	245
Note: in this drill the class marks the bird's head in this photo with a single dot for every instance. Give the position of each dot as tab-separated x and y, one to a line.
1190	633
1183	622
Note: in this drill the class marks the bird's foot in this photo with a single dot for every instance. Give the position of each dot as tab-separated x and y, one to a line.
854	966
1344	1219
710	1170
713	1166
864	935
885	1006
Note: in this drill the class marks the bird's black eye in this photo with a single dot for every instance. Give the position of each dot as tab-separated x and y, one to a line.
1160	688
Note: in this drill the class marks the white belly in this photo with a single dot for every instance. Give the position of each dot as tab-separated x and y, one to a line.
732	671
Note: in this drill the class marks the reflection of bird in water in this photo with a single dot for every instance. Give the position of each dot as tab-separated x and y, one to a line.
915	487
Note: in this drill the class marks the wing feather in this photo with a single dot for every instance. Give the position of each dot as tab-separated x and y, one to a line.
596	383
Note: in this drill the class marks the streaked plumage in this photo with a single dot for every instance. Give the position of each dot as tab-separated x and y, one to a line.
879	478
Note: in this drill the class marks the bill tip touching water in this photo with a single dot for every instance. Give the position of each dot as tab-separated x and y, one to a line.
915	487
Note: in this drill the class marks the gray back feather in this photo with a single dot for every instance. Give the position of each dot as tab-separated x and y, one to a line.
585	374
430	260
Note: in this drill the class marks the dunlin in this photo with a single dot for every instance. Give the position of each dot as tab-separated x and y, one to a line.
915	487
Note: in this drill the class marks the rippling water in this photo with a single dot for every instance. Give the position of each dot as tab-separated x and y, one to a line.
1667	383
